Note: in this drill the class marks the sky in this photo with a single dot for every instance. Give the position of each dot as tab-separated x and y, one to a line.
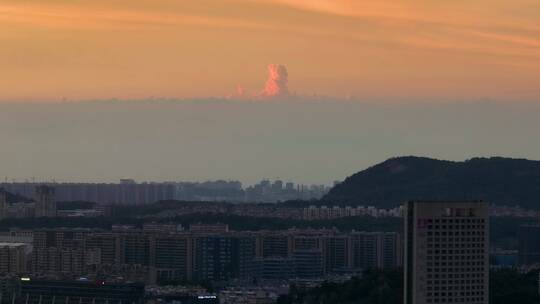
394	50
303	141
303	90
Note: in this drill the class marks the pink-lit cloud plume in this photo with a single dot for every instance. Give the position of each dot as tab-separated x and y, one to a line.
277	83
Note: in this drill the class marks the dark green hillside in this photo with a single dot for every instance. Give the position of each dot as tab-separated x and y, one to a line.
501	181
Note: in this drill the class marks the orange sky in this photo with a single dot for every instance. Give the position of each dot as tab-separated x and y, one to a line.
467	50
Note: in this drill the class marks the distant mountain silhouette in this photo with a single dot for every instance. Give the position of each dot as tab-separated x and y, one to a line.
497	180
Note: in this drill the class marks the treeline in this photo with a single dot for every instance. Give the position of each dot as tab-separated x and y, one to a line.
374	287
157	207
379	287
67	222
74	205
235	222
510	286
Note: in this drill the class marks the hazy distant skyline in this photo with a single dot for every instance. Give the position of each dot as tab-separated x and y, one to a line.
396	50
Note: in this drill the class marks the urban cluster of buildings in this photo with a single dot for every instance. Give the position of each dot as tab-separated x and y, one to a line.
515	211
129	192
241	209
444	250
44	205
269	192
165	253
325	213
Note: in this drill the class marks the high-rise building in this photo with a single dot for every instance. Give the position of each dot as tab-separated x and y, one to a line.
308	263
169	257
392	250
134	248
107	244
277	186
45	202
306	242
275	268
446	252
72	261
215	258
273	244
336	252
289	186
14	257
246	255
529	247
3	204
372	250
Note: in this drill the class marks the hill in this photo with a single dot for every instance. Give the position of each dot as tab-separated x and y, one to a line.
500	181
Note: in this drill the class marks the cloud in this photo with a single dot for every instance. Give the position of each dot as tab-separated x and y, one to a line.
90	16
133	49
277	83
504	27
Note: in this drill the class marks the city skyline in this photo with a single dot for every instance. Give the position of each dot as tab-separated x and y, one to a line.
269	151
